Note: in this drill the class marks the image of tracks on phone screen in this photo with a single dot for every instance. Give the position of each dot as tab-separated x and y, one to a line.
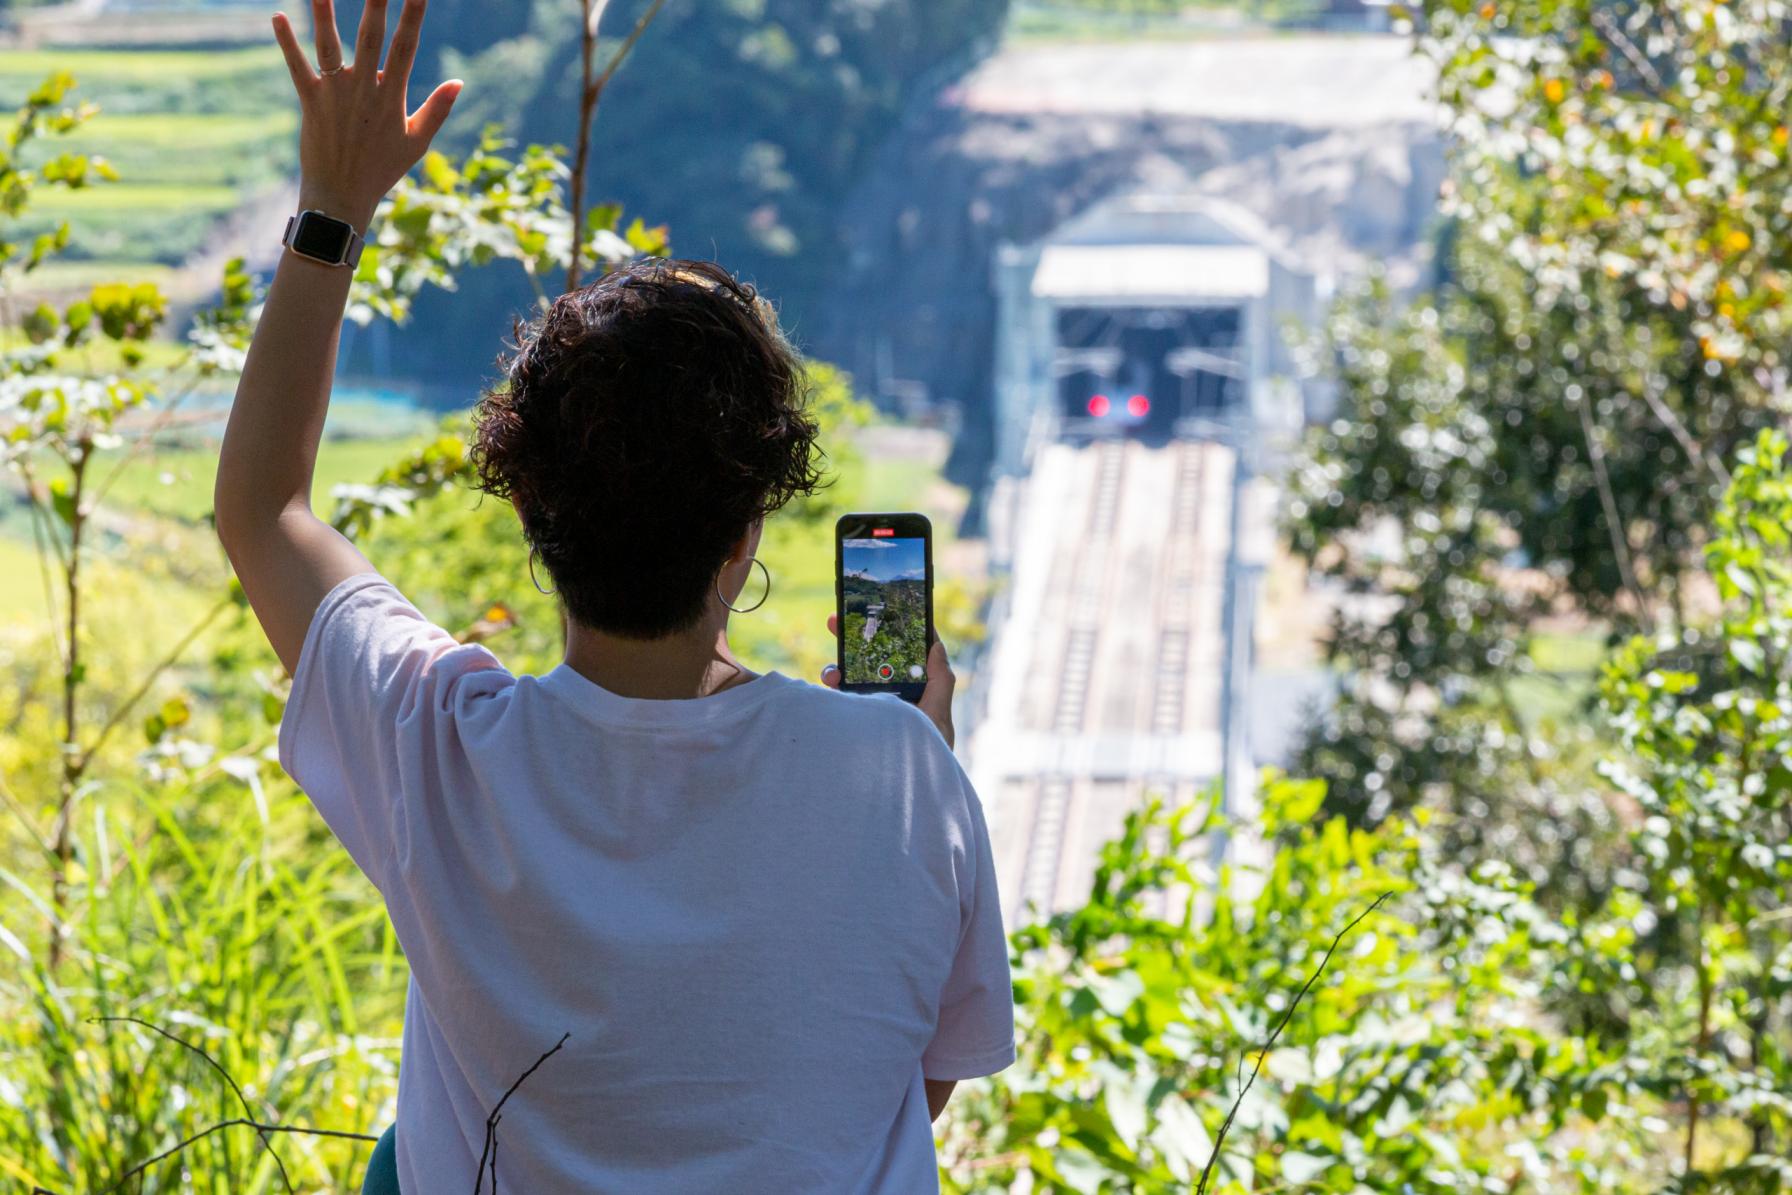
884	629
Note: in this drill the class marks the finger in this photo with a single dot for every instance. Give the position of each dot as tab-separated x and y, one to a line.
936	698
834	625
830	676
296	64
323	30
939	669
427	120
404	44
371	37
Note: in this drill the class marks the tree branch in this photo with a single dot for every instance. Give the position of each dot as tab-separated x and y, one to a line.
217	1066
1609	503
589	95
490	1149
1225	1126
488	1157
1602	20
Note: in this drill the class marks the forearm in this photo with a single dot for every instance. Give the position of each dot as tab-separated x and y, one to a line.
270	445
355	141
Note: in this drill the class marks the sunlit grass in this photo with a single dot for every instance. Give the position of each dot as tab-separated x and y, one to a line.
75	275
189	200
185	132
21	585
184	148
1561	653
21	70
177	483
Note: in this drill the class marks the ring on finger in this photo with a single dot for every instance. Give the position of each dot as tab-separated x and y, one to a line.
334	70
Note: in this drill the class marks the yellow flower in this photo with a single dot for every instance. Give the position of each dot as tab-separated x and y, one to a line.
1553	91
1779	136
1737	241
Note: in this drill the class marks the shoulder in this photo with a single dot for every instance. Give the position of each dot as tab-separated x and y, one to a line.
366	632
889	718
904	741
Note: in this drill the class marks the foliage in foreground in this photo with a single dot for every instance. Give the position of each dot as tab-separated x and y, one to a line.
1464	1038
1410	1062
1543	440
1461	1038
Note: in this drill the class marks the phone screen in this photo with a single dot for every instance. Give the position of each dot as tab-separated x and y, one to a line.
886	602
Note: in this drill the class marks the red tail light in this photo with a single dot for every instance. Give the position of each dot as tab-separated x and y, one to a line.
1098	405
1138	406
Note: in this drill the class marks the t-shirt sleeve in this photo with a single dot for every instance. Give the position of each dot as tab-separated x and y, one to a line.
976	1026
373	705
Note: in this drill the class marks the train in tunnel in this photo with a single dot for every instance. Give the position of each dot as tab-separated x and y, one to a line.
1146	371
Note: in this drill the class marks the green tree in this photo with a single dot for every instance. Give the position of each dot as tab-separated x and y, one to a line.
1543	437
741	123
1704	733
1409	1064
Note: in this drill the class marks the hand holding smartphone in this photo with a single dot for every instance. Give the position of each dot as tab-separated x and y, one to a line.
932	689
883	585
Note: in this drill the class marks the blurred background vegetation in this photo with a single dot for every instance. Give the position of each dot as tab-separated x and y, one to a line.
1554	509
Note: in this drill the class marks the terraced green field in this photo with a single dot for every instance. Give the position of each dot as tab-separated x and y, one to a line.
192	148
192	134
223	81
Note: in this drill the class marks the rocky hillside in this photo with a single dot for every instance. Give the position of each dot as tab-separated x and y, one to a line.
1330	140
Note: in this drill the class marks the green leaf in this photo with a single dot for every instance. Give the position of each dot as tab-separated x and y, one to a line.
41	323
652	242
603	218
175	711
62	501
439	172
52	90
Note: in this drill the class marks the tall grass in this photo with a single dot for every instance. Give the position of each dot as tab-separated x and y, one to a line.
207	905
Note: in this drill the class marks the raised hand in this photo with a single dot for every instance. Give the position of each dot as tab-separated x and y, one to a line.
936	698
356	135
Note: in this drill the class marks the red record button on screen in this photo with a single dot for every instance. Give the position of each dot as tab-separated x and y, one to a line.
885	671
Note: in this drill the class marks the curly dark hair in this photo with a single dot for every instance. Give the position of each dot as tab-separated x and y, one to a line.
642	425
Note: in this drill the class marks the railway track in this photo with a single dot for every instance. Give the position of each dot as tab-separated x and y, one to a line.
1108	672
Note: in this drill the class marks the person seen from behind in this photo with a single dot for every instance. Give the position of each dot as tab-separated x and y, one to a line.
765	912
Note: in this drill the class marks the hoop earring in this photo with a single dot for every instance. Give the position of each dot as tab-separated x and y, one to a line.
762	597
539	589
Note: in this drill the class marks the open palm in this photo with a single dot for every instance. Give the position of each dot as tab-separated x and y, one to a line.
357	136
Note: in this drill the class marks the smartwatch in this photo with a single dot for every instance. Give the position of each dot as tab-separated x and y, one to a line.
323	238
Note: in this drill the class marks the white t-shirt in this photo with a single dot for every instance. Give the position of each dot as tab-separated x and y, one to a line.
763	916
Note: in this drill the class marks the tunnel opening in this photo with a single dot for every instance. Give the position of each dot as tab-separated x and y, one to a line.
1147	371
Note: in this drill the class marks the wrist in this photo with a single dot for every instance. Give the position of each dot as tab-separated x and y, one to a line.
356	212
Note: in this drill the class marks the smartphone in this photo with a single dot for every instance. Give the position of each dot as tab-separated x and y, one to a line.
883	584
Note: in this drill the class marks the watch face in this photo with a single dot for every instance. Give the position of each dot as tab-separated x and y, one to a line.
321	237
